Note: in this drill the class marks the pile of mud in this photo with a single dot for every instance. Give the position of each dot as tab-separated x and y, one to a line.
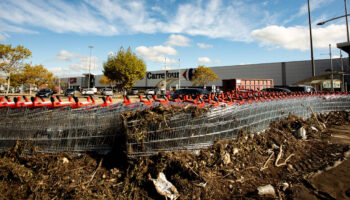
136	123
231	169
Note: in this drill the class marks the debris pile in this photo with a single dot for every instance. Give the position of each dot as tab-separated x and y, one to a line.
137	122
253	166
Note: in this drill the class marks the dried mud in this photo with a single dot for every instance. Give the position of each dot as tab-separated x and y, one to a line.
230	169
136	122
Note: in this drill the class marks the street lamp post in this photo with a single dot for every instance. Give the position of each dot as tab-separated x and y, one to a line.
346	18
342	70
330	58
311	46
179	76
90	66
347	32
165	76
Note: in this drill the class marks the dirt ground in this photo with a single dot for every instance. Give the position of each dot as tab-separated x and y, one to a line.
314	168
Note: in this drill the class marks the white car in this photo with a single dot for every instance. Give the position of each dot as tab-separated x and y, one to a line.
151	91
107	92
88	92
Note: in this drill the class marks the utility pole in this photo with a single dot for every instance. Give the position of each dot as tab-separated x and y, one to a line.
342	70
311	46
346	18
330	58
179	75
165	76
59	85
90	66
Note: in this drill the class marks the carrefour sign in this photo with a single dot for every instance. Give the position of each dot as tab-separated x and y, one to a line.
187	75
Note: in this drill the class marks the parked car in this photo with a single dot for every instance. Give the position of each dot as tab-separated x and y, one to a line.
69	92
301	88
276	90
133	92
189	91
94	89
151	91
89	91
44	93
107	91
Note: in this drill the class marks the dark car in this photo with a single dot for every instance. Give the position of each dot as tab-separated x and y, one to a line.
189	91
69	92
276	90
44	93
301	88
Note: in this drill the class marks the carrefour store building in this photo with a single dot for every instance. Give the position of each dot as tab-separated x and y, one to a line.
283	73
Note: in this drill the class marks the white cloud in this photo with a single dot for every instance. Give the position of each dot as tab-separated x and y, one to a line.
314	4
214	19
156	53
84	64
111	53
78	63
178	40
66	56
14	29
2	37
217	61
204	60
231	20
303	10
204	46
57	70
57	16
297	37
159	10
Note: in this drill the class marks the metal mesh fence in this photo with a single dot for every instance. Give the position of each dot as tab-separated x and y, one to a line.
186	133
99	129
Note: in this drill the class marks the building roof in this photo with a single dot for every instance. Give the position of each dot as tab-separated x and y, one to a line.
345	46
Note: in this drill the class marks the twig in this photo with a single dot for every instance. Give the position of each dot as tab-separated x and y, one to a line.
279	157
265	165
285	162
192	170
93	174
315	116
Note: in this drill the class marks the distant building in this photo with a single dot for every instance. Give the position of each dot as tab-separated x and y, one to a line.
283	73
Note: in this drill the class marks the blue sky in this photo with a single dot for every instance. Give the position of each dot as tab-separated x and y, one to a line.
208	32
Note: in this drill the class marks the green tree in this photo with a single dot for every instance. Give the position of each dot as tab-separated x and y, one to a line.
36	75
11	60
53	83
106	81
124	68
17	79
203	75
2	79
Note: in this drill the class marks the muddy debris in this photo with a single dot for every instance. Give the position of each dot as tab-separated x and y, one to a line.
230	169
137	122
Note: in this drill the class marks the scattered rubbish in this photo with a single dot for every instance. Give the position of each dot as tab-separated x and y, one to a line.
285	186
226	158
235	151
164	187
314	128
266	190
301	133
65	160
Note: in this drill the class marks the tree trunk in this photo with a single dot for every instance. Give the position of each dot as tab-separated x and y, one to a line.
8	85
